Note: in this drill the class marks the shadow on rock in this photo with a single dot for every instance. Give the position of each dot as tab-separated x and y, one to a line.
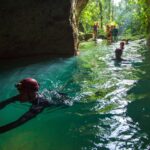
139	111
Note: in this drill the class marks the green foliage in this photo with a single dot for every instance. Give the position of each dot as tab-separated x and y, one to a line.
89	15
86	45
95	11
132	37
132	16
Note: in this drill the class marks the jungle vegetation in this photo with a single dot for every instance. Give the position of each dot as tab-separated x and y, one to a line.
132	17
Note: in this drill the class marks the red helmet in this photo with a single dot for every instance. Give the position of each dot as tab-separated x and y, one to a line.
28	84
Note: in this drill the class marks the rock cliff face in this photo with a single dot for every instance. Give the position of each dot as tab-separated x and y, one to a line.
77	7
39	27
148	28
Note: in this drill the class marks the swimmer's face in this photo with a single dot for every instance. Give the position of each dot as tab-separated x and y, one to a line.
122	45
27	96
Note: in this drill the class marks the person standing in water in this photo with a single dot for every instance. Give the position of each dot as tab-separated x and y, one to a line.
108	34
119	52
28	92
114	34
95	30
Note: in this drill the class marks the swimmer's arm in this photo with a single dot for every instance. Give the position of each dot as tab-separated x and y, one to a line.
23	119
8	101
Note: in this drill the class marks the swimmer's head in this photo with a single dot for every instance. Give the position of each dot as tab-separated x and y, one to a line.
28	84
27	88
121	45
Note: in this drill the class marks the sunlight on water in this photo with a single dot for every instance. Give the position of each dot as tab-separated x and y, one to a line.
109	101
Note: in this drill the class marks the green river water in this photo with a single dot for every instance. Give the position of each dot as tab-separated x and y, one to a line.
111	101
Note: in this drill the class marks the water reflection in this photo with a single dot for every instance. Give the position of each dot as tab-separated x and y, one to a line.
101	117
138	108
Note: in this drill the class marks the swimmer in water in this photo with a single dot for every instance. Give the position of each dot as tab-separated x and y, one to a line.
119	52
28	92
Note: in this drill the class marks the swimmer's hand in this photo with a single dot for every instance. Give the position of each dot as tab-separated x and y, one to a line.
33	112
8	101
2	105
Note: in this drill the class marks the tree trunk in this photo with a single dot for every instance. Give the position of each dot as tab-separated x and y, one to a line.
101	13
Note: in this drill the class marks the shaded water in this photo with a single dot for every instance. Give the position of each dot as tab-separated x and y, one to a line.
111	102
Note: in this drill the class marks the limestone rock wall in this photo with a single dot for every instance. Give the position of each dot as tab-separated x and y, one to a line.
77	7
38	27
148	28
